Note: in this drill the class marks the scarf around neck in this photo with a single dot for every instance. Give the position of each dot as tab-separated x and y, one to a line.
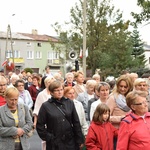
121	102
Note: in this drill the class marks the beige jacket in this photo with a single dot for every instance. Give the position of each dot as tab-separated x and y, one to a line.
116	113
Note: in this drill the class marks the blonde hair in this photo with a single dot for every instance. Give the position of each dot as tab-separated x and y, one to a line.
10	92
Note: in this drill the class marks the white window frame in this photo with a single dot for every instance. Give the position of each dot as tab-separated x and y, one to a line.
52	55
30	54
38	54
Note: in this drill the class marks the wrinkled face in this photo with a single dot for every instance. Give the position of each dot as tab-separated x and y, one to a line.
142	86
123	87
12	101
20	86
3	85
80	78
69	79
58	93
70	94
104	92
105	116
140	106
90	89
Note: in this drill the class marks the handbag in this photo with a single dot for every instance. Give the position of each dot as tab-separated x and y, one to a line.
30	133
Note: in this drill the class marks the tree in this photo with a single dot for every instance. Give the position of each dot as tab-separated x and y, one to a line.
108	38
145	11
137	50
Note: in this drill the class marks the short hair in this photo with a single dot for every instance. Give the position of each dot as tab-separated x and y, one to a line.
138	81
100	110
14	76
19	81
96	76
54	85
76	74
101	84
91	83
68	74
2	78
47	67
10	91
36	77
132	96
67	89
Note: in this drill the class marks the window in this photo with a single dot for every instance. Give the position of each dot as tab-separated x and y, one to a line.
39	44
53	55
28	44
38	54
30	54
10	55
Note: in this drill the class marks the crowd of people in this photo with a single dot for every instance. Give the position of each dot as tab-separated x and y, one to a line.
74	113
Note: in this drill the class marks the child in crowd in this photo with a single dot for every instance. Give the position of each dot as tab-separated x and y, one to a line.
101	132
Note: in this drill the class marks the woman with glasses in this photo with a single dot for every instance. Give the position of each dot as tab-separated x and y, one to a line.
134	130
24	95
141	84
58	123
15	123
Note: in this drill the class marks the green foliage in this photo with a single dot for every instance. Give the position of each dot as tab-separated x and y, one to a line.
144	15
108	39
28	70
137	50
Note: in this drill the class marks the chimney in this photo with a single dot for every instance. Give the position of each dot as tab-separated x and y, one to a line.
34	32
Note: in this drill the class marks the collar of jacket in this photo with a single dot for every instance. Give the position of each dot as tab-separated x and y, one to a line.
52	99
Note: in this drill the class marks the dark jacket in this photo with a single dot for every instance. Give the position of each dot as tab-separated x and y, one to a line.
61	133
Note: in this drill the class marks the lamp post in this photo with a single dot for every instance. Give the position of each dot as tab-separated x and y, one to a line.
84	37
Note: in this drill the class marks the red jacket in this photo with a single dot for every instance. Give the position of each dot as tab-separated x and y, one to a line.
2	101
134	133
33	92
100	136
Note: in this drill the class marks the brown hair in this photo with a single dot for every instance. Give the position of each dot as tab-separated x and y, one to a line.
100	110
67	89
132	96
54	85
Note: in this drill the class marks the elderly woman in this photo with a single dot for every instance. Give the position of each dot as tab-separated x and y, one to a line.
58	123
134	129
141	84
103	96
84	97
15	122
24	95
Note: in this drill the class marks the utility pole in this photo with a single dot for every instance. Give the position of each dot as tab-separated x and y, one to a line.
11	44
84	37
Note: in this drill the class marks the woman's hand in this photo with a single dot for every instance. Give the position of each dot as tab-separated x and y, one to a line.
20	132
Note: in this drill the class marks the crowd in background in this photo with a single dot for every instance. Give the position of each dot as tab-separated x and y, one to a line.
71	112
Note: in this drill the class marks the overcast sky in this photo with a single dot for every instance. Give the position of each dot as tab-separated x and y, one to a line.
40	14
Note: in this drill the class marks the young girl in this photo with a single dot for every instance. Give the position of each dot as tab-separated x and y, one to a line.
101	132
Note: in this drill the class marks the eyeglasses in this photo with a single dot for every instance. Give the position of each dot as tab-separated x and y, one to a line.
3	84
20	85
58	90
144	102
